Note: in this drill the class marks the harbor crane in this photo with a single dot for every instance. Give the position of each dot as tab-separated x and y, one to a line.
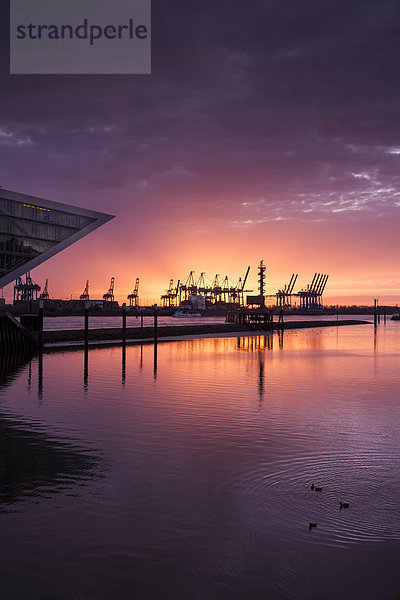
170	297
45	294
311	297
239	291
201	284
26	290
216	289
85	295
109	296
284	297
213	291
189	287
223	292
167	298
134	297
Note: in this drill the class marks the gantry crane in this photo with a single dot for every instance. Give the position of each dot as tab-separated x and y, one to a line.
26	291
134	297
213	292
311	297
109	296
166	299
216	289
169	298
284	297
189	287
85	295
242	290
45	294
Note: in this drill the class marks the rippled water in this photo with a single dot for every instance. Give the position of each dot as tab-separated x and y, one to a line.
185	472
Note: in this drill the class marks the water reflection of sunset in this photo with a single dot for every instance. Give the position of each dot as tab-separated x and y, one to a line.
212	444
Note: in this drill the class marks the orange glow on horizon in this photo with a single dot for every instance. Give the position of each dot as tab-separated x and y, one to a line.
180	238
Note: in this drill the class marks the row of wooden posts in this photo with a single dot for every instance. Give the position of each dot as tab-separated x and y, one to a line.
86	323
280	324
155	323
377	314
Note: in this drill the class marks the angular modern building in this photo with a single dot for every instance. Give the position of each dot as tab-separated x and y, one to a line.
33	230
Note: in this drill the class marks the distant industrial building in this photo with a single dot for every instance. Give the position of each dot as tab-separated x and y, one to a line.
33	230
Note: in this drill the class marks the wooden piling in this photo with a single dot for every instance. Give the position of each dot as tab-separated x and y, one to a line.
123	363
86	321
40	324
155	322
155	360
40	374
124	323
86	365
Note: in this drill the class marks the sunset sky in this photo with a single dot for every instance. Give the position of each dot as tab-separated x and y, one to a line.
267	130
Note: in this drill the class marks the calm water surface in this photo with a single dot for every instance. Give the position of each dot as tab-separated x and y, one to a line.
186	473
61	323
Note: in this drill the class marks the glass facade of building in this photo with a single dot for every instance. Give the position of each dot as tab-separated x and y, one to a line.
29	230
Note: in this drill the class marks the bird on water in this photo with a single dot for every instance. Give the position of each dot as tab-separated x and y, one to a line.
311	526
344	505
315	488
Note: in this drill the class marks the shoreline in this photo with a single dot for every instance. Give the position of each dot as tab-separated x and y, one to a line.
74	339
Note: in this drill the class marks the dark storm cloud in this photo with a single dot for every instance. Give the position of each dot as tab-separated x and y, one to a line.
284	104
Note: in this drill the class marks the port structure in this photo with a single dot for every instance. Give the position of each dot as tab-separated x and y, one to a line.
260	299
134	297
45	294
237	292
284	297
261	282
25	290
169	299
216	293
109	296
85	294
310	298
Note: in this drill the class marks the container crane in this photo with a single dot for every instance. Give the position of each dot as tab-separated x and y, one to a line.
45	294
284	297
217	289
311	297
134	297
85	295
109	296
188	287
242	290
26	291
166	298
225	288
